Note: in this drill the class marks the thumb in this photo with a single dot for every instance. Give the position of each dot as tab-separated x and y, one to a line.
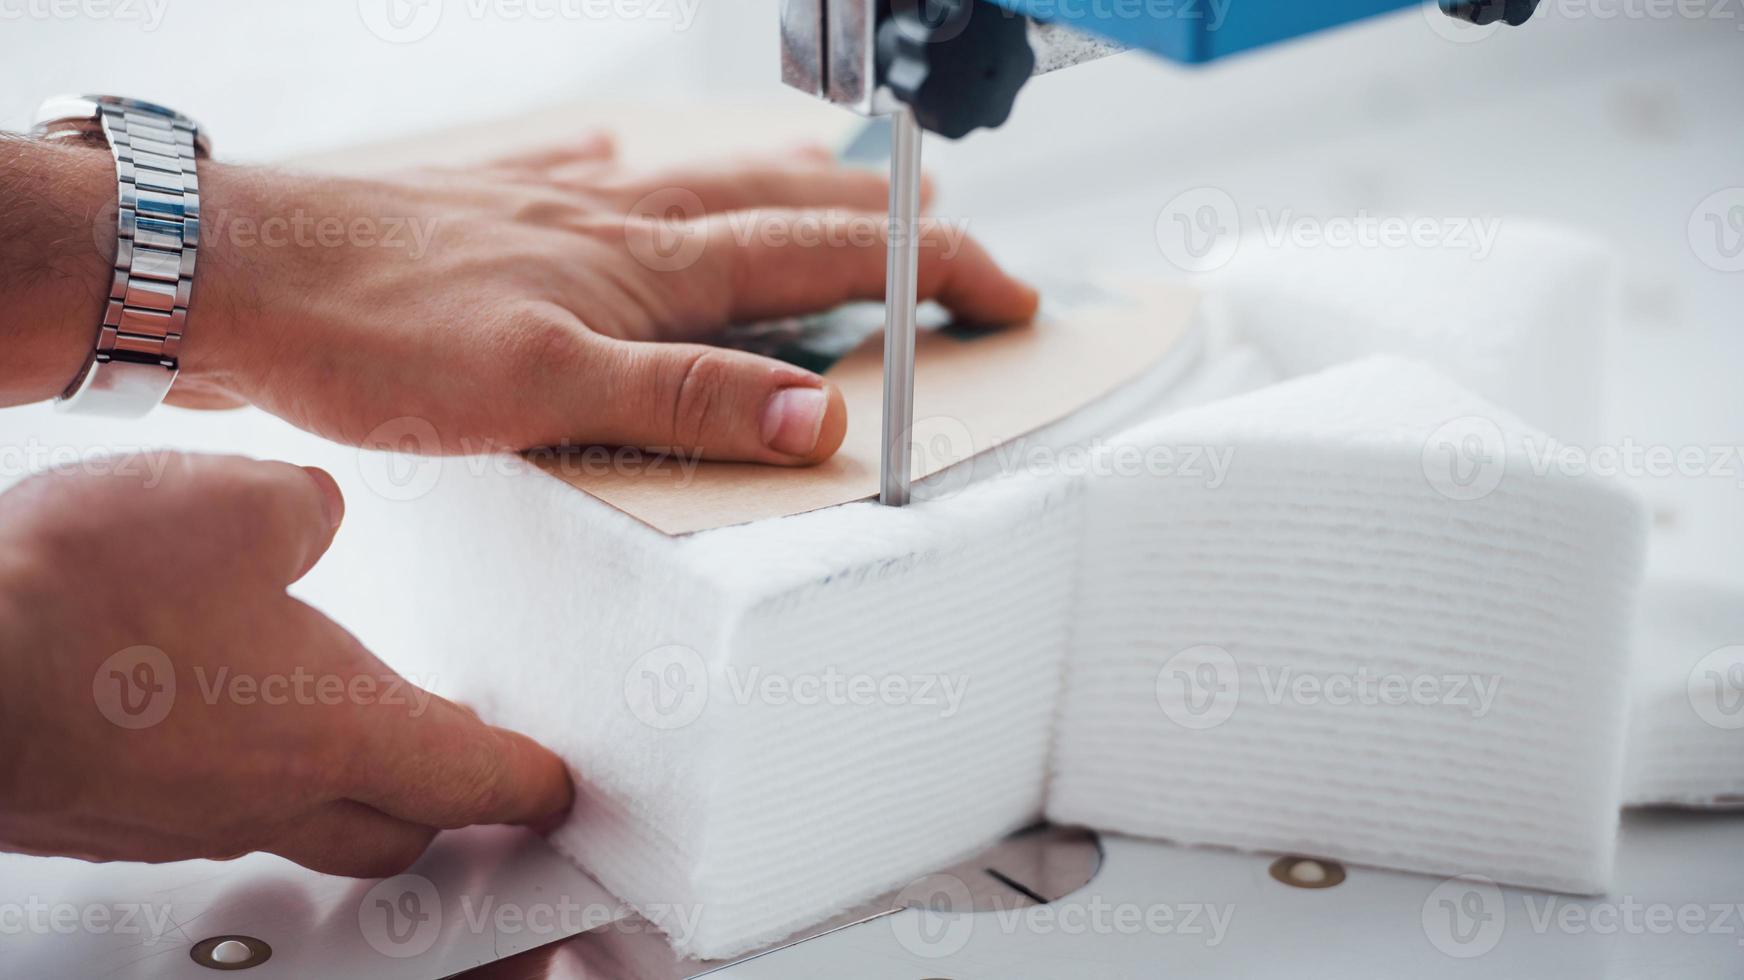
288	514
720	404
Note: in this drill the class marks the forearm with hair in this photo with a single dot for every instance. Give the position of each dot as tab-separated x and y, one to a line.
57	243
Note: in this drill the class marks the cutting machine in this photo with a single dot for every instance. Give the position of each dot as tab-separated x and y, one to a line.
498	904
951	67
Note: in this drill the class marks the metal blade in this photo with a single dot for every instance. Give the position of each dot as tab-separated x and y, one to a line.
901	271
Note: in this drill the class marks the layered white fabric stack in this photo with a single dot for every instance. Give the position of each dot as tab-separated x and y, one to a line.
1346	648
1686	739
1524	318
771	723
763	721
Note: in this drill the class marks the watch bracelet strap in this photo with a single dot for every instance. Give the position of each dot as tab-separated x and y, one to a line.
157	240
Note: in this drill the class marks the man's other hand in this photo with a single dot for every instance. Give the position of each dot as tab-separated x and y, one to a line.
162	697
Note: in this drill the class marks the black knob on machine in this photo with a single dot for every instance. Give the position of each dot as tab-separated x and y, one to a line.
957	63
1513	12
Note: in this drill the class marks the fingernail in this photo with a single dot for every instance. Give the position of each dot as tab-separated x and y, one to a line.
792	419
332	501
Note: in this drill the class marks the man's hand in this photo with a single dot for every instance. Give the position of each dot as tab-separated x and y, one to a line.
161	697
550	299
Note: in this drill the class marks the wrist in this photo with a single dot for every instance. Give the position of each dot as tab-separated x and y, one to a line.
57	247
228	294
269	240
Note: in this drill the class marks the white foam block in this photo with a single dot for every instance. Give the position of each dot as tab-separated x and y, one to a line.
1346	648
1525	320
771	723
1686	736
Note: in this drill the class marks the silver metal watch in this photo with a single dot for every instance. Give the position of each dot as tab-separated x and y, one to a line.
138	346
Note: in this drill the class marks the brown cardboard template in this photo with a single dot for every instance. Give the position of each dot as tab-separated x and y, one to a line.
969	397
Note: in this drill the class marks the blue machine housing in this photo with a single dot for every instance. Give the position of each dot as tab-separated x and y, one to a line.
1194	31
